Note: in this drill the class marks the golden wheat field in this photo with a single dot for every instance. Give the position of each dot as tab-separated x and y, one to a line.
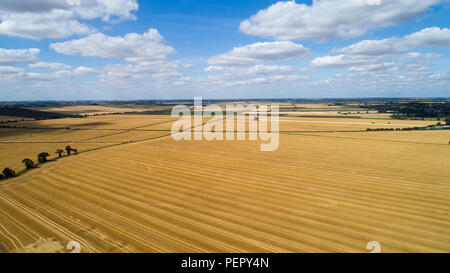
330	187
87	109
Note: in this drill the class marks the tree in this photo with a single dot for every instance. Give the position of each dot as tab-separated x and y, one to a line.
59	152
7	172
1	176
70	149
42	157
28	163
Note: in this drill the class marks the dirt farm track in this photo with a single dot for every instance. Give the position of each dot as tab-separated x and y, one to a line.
330	187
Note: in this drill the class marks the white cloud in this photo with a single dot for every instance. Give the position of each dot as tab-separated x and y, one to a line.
371	52
107	9
252	76
404	73
376	47
45	65
147	54
57	19
331	19
32	76
167	74
132	47
432	37
258	69
18	56
19	75
234	77
258	53
54	24
159	69
417	62
10	74
82	70
371	67
10	70
290	78
345	60
127	72
388	64
270	69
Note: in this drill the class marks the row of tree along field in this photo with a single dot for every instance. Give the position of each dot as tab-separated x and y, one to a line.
42	158
413	110
437	126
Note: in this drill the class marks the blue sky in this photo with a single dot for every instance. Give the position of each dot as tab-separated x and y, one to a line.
129	49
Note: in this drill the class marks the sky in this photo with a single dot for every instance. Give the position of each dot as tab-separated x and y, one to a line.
234	49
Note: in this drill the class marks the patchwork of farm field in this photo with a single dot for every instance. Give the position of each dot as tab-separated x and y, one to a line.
90	109
325	114
11	118
321	191
343	124
30	138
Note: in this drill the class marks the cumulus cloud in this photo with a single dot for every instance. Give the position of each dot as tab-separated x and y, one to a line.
376	47
232	76
416	56
408	78
45	65
326	20
371	67
65	73
388	63
432	37
146	54
336	61
57	18
10	73
379	51
259	69
258	53
107	10
18	56
247	66
159	69
82	70
10	70
280	77
55	24
132	47
270	69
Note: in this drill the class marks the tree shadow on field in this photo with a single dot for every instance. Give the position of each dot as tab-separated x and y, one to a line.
90	124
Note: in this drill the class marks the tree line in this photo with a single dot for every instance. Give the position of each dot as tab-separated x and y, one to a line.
413	109
41	158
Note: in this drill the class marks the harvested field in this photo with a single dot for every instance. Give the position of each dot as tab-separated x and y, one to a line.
297	124
33	137
319	192
87	109
336	114
11	118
